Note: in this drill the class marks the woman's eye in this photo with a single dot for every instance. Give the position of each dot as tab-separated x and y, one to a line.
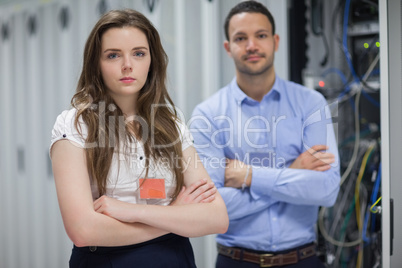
139	54
112	56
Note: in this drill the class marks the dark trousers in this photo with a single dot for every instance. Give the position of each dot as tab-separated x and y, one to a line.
163	252
227	262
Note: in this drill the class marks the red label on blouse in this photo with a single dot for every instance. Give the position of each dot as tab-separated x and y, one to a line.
152	188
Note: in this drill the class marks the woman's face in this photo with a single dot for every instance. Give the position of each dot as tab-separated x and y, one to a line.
124	62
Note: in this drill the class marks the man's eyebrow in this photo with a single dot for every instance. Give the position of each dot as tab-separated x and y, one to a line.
235	35
259	31
238	33
263	30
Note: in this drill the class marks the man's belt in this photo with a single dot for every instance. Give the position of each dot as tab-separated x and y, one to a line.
268	259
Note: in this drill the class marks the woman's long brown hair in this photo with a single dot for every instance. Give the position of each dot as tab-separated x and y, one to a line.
99	112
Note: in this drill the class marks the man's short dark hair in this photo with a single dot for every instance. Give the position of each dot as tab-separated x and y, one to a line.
250	7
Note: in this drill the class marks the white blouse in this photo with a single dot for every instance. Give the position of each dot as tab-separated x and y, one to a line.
128	165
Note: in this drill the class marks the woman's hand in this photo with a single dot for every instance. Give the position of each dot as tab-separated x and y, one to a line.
200	191
114	208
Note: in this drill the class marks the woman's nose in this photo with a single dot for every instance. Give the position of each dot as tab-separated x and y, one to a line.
127	66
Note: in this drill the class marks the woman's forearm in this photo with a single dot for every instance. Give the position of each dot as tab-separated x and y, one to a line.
100	230
151	221
208	218
199	205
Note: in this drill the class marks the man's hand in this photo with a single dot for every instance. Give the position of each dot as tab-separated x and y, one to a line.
235	173
200	191
316	158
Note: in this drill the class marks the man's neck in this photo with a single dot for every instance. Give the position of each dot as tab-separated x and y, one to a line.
256	86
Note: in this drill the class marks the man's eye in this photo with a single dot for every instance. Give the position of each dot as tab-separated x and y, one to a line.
239	39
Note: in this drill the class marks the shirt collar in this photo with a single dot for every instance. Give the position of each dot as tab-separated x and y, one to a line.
240	96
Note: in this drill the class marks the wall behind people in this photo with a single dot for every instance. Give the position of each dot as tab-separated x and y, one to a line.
40	49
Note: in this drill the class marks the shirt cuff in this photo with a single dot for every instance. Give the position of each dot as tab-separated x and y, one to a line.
262	181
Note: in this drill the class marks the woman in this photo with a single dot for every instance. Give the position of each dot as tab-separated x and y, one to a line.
130	185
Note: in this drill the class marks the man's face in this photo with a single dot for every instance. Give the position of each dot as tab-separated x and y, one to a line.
251	43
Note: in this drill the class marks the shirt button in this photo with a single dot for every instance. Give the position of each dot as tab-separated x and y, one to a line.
273	246
274	219
92	248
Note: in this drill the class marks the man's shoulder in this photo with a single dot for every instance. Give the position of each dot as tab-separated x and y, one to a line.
214	103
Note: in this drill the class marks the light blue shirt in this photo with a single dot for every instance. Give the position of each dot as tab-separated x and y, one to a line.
279	211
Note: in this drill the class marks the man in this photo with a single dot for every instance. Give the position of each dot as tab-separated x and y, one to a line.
270	148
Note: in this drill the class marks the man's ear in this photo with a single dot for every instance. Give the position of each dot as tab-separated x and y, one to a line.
276	39
227	48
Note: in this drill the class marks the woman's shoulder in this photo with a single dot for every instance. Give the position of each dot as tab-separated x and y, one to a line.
66	120
65	127
185	136
67	115
181	126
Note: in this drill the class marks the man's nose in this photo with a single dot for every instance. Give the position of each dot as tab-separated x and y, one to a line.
251	45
